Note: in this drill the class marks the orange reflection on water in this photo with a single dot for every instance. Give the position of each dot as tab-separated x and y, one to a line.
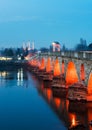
49	93
57	102
72	119
42	87
89	105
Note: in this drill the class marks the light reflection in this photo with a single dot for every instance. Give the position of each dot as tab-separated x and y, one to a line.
20	77
49	93
71	113
57	102
89	106
3	74
73	120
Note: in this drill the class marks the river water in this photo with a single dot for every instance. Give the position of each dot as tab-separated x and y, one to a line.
27	103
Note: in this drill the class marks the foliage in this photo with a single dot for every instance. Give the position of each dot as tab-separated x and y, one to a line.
43	49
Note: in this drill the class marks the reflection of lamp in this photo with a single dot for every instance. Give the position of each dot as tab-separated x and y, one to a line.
57	102
57	71
49	94
20	77
4	74
72	118
71	74
73	121
89	111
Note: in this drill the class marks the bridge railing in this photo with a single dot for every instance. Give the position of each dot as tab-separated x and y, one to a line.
70	54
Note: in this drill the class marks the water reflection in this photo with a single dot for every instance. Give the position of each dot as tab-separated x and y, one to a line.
8	75
70	113
20	77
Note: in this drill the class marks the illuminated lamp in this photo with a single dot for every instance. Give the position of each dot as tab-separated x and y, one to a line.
48	65
57	71
71	74
42	66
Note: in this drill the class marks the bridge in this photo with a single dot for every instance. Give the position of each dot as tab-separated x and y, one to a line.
79	58
83	58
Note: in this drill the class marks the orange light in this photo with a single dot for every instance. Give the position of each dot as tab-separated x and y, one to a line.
82	72
71	74
57	71
49	94
89	110
57	102
42	66
90	84
73	121
48	65
72	118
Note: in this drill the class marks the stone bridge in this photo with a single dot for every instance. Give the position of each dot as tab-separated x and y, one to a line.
79	58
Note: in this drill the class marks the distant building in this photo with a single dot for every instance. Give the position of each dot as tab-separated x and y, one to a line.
55	46
83	42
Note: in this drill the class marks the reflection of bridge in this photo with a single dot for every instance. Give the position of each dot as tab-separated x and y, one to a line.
68	112
79	58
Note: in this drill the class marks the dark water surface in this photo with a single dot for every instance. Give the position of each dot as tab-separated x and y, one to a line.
22	104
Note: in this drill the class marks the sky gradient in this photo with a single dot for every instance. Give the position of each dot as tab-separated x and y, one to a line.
43	22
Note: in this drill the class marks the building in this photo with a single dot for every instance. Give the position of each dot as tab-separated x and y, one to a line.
55	46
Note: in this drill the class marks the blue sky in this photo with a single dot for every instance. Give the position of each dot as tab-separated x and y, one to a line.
45	21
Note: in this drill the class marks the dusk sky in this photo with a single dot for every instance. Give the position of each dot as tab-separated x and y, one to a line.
45	21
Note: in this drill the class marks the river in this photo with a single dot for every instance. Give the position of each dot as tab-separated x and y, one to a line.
24	105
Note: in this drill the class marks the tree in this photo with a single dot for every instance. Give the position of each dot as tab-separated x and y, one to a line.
43	49
82	46
90	47
8	52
